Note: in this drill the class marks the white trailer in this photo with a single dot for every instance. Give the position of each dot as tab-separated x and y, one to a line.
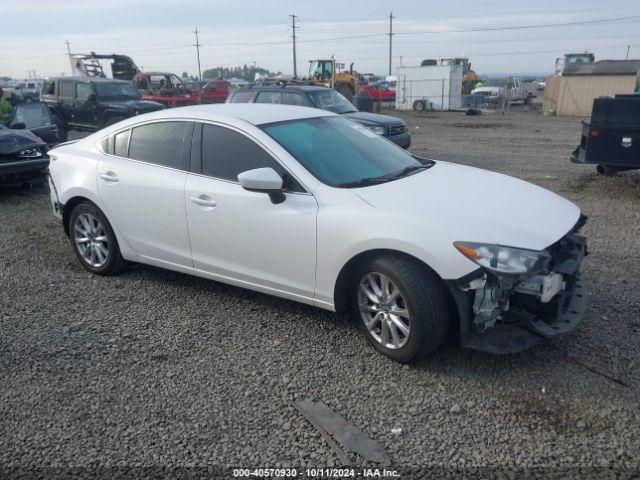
439	86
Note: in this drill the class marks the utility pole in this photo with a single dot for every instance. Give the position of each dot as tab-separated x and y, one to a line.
628	48
390	39
69	53
197	45
293	37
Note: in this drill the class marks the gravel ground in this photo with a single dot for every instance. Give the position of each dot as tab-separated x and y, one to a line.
154	368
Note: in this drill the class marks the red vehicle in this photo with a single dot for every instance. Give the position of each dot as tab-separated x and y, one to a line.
165	88
212	91
380	93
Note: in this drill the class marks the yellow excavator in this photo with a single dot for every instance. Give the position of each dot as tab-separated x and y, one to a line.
333	75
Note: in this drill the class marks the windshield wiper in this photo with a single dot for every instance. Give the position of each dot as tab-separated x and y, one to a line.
364	182
406	171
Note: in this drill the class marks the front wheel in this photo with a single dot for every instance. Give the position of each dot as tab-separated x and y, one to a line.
94	241
401	306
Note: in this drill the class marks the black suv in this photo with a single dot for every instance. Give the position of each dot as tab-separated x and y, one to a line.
325	98
89	104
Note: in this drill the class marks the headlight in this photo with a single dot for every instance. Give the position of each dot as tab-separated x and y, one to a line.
378	130
506	260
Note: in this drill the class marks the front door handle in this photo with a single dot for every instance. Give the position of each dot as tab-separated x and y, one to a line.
204	200
109	176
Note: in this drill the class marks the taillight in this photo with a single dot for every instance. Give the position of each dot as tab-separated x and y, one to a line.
595	133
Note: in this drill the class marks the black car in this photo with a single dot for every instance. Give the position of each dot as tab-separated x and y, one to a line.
91	103
325	98
36	118
23	157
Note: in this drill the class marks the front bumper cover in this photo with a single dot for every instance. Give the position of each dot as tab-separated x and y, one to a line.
520	319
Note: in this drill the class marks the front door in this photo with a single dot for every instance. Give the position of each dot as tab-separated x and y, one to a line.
142	187
84	106
241	235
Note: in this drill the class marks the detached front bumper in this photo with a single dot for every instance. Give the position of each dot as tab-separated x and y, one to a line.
499	316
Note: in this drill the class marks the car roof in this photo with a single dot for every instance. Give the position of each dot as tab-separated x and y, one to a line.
228	113
93	79
276	88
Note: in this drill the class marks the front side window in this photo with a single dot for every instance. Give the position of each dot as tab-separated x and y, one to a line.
340	152
293	98
331	100
159	143
83	90
226	153
117	90
269	97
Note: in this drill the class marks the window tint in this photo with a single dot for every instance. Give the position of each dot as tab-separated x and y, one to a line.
268	97
83	90
226	153
293	98
121	143
160	143
242	97
66	88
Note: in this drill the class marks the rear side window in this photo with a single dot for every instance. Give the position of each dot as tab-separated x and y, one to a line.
121	143
269	97
49	88
66	88
242	97
160	143
226	153
293	98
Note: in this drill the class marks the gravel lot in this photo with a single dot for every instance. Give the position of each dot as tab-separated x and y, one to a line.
157	368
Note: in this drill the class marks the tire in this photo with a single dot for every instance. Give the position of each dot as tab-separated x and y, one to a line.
116	119
419	106
79	228
62	129
421	295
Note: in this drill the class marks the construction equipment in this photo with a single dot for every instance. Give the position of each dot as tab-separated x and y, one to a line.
333	75
469	77
88	65
572	61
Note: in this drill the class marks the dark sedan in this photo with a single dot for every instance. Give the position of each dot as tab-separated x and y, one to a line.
325	98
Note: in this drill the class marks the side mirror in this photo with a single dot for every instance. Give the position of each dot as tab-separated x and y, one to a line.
264	180
18	126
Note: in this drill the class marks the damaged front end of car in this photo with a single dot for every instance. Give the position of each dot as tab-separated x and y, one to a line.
23	157
518	297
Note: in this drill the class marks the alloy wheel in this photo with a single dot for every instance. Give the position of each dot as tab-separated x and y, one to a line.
91	240
384	310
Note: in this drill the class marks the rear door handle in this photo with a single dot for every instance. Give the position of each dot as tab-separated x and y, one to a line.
203	200
109	176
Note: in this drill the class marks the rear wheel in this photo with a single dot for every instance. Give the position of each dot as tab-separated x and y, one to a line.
401	306
94	241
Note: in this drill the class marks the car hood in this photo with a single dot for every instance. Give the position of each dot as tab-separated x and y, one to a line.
489	90
140	105
14	141
477	205
376	119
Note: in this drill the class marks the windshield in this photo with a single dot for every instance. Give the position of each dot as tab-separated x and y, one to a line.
116	90
494	82
331	100
340	152
33	115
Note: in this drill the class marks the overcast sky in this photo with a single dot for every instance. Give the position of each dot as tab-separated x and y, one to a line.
157	34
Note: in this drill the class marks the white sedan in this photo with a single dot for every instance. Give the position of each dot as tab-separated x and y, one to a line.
313	207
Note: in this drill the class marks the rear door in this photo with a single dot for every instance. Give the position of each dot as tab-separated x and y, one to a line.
241	235
84	105
141	182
